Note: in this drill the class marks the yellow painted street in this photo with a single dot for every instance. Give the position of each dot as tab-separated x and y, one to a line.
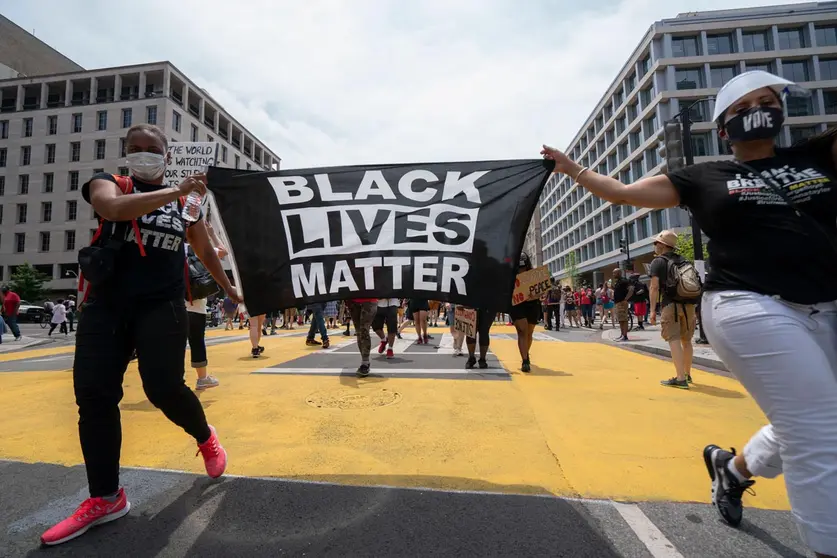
589	421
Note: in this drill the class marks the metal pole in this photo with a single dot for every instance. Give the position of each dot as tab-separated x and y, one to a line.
697	239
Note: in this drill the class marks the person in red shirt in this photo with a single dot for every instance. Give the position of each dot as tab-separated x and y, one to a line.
11	304
586	298
363	312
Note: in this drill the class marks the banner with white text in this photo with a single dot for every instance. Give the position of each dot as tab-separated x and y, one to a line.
439	231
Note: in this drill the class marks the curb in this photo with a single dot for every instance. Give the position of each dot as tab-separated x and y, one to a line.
703	361
22	347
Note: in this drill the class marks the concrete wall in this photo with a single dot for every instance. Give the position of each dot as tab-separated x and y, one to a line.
29	55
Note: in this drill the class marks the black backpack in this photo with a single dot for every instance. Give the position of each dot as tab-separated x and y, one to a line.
640	290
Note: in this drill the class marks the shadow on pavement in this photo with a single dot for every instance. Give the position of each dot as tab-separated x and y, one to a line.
716	391
197	517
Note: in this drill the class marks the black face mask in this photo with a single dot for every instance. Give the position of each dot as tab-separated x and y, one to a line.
755	124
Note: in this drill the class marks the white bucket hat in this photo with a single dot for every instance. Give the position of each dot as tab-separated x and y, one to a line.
745	83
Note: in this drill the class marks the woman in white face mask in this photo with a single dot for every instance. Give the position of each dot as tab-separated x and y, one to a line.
769	305
136	304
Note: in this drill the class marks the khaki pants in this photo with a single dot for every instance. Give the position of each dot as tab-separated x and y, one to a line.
678	322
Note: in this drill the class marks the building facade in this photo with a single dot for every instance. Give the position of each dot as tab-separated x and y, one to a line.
532	242
678	62
57	130
23	54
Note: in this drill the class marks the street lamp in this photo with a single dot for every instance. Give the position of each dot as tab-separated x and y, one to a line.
71	273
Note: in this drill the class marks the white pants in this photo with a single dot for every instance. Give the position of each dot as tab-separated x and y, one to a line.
785	355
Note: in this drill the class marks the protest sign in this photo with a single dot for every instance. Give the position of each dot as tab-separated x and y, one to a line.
530	285
465	320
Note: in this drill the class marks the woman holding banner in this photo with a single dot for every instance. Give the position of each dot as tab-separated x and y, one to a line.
525	316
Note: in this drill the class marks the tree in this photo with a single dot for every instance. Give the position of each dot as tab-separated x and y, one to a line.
28	283
686	247
572	269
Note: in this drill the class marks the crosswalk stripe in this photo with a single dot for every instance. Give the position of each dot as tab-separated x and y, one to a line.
653	539
389	372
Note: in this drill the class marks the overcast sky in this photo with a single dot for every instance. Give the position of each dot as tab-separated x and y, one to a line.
371	81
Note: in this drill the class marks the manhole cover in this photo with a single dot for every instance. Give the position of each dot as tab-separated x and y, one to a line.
348	399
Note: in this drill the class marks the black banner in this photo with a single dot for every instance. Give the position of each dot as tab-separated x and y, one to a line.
440	231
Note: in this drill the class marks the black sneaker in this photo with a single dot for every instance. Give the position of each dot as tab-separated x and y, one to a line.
255	353
483	364
363	371
675	383
526	367
470	363
261	349
689	379
312	343
726	489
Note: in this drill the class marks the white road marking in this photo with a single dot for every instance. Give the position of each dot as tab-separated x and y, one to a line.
653	539
385	371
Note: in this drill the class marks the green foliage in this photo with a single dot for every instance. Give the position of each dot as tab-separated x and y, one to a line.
28	283
572	269
686	247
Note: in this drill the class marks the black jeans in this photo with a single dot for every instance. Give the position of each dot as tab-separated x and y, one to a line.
62	330
485	318
197	339
105	339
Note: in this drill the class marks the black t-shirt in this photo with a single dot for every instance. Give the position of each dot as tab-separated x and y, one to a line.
757	242
620	289
659	269
160	274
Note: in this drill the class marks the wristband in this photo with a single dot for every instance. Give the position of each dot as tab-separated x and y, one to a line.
582	171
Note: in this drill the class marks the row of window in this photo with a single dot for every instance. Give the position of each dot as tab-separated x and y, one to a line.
22	213
760	40
77	122
45	242
795	70
48	182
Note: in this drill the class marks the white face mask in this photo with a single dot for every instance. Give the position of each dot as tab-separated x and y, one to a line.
146	166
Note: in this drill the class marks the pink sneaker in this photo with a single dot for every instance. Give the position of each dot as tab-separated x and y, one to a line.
382	346
214	455
390	354
91	512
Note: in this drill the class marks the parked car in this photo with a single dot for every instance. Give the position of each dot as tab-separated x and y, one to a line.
30	313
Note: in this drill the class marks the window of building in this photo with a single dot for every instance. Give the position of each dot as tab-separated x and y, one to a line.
75	151
756	41
194	134
795	71
100	149
102	120
123	171
52	125
3	155
76	123
826	36
830	101
685	46
27	127
763	66
23	184
701	144
722	74
799	133
49	182
4	129
175	120
151	114
799	106
652	159
636	169
828	69
657	222
689	78
25	155
2	186
45	241
72	210
127	117
72	181
223	153
49	153
69	240
720	44
792	38
22	211
634	139
237	162
20	243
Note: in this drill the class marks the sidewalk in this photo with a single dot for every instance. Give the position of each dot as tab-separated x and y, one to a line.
9	344
649	341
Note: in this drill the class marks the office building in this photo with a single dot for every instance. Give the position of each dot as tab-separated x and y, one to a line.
532	240
58	129
680	61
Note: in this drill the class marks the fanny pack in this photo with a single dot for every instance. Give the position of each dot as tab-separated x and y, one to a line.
199	280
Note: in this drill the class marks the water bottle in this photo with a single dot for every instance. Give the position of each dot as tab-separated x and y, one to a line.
192	207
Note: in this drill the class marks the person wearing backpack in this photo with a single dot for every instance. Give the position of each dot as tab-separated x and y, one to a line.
675	279
134	279
639	300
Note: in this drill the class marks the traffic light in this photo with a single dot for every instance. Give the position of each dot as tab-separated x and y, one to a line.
671	147
623	245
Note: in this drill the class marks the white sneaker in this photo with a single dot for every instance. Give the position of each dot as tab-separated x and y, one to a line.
205	383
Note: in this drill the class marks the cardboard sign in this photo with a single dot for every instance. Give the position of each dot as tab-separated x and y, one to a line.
188	158
465	320
530	285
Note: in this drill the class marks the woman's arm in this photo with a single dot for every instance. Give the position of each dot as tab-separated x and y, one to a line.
199	241
109	201
656	192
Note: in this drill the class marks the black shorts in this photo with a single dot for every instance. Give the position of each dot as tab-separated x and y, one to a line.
419	305
530	311
386	315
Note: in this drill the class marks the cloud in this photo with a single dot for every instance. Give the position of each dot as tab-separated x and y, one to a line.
339	82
